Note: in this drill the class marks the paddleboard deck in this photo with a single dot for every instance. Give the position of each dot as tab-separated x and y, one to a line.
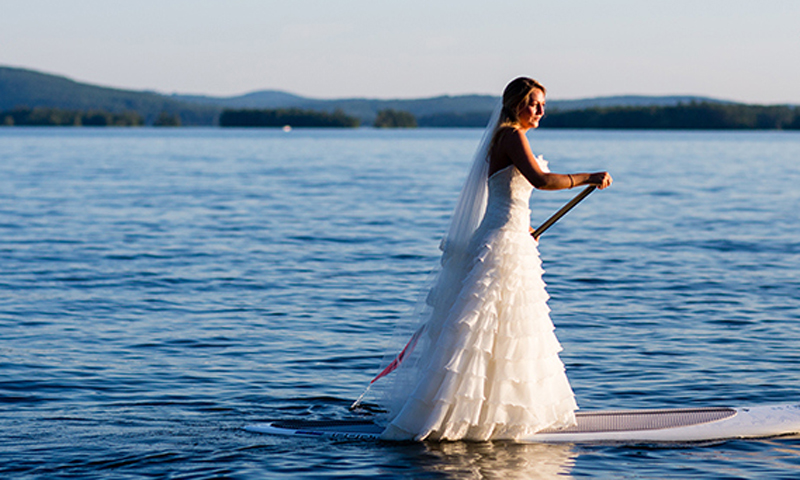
681	425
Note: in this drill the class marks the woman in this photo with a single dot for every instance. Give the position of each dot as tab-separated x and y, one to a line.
487	366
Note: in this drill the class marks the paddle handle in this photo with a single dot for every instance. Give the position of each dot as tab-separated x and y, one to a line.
563	211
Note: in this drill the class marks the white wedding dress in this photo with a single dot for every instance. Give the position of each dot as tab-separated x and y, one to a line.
488	365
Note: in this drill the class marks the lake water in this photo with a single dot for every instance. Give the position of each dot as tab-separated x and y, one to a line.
161	289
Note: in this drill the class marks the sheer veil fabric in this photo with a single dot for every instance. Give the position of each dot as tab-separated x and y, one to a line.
486	365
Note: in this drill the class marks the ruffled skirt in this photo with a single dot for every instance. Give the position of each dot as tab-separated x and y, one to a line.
490	367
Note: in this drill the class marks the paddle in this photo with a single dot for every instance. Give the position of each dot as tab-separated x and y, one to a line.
563	211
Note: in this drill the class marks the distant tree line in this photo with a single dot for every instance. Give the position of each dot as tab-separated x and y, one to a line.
44	116
166	119
293	117
688	116
388	118
694	116
455	119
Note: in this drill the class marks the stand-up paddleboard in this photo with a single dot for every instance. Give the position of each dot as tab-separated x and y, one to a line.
679	425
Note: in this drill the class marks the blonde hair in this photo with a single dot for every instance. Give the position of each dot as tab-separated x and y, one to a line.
517	94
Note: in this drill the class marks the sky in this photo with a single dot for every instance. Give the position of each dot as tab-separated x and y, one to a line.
744	51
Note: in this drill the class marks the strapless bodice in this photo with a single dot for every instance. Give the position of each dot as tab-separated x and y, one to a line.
509	194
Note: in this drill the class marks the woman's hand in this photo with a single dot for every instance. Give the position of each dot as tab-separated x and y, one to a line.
601	179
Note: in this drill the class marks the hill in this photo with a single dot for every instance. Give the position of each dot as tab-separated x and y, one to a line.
445	110
365	109
438	104
28	88
263	99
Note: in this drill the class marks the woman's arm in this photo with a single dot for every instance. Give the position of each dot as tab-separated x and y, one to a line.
515	145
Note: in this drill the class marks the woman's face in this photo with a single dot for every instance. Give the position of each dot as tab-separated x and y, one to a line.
533	111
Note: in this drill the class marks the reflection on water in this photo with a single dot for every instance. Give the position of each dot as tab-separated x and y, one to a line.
501	460
510	461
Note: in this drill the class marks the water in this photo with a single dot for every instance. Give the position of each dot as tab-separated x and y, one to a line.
161	289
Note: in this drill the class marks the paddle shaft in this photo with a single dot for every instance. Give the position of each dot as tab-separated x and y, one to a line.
563	211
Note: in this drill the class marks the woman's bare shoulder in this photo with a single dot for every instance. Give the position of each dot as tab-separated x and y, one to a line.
506	141
510	134
511	139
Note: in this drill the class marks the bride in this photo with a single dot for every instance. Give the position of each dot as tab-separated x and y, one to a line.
487	364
